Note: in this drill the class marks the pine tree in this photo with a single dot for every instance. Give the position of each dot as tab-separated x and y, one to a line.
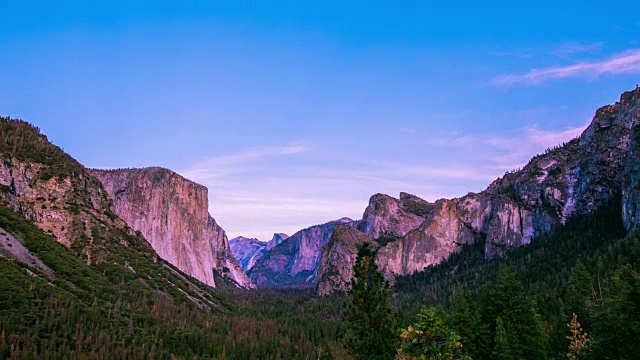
368	316
505	298
616	323
579	341
580	291
502	341
465	320
431	339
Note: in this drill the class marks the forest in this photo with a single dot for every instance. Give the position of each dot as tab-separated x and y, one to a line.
520	306
571	293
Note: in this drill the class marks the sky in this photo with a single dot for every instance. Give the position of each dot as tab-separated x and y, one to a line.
294	113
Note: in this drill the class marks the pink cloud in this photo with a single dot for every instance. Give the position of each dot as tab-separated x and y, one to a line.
624	63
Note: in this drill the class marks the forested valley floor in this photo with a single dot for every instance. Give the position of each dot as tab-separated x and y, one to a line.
517	306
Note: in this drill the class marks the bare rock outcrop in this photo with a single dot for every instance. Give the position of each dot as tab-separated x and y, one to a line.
338	257
171	212
391	217
42	183
295	261
601	166
277	239
247	251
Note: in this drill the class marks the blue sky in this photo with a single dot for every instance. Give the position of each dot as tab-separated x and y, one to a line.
295	114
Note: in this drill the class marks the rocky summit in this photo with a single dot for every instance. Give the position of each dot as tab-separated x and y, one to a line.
47	186
338	258
276	239
577	178
393	218
247	250
295	261
171	212
46	196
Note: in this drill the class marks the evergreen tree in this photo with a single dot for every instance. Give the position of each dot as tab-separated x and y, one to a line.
578	339
503	342
616	323
368	316
431	339
580	292
465	320
505	299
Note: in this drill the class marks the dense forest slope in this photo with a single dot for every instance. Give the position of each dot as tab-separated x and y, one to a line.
65	254
76	282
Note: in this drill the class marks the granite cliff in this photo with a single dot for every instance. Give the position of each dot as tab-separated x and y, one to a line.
247	251
44	184
276	239
295	261
100	253
171	212
572	179
338	257
393	218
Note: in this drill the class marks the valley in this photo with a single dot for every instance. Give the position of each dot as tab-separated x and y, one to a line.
128	263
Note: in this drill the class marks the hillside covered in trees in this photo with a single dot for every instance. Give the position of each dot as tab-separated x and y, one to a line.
77	282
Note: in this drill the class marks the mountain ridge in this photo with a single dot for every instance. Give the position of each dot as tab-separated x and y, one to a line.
575	178
56	216
247	250
295	261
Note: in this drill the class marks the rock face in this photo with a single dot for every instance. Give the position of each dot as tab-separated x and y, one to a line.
14	249
393	218
171	212
294	262
338	256
576	178
277	239
43	184
247	251
629	116
386	219
40	182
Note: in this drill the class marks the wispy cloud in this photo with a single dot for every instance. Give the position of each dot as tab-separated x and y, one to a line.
627	62
491	154
549	139
514	54
267	189
573	47
225	165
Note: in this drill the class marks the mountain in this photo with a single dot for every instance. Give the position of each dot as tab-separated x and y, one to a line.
69	263
295	261
277	239
171	212
385	219
247	250
338	258
576	178
392	218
